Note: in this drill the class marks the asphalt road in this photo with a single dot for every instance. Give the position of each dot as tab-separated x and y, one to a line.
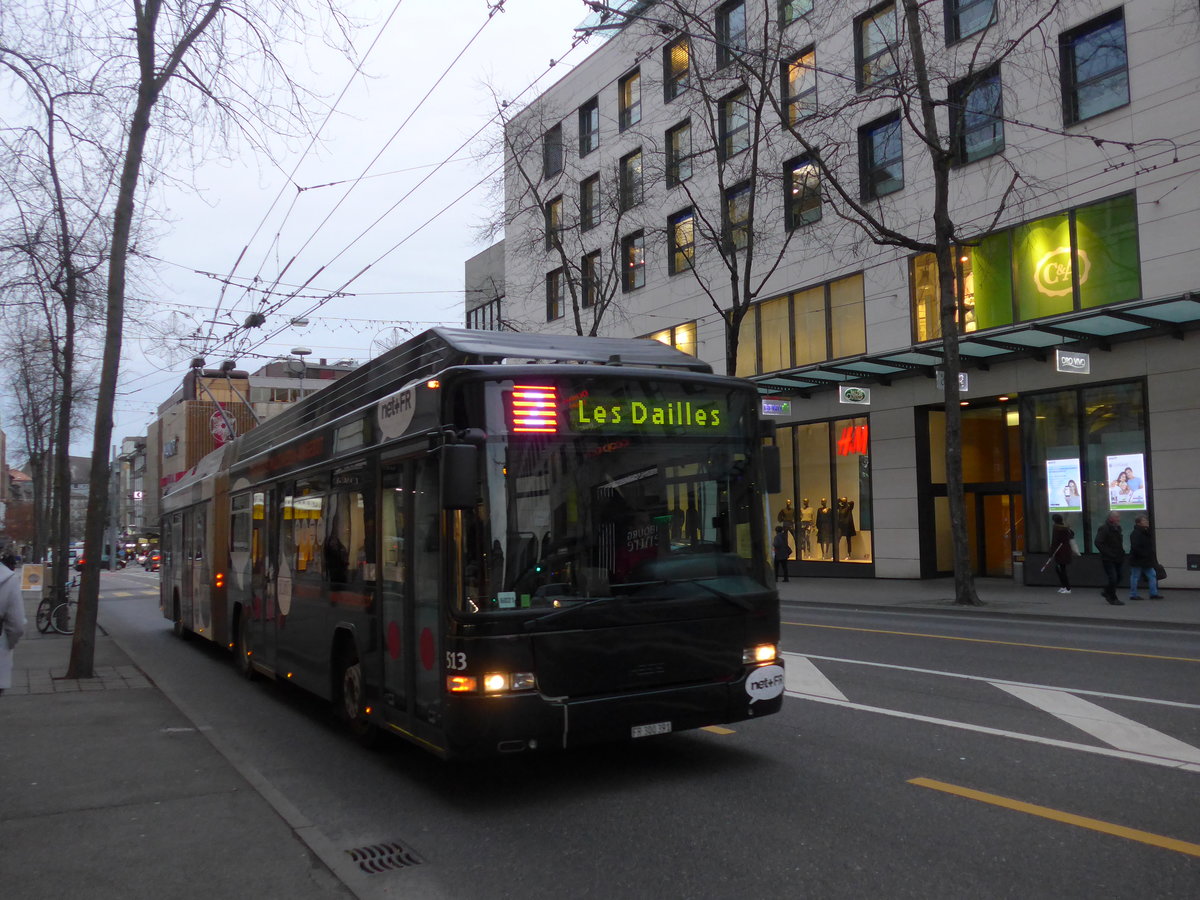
918	755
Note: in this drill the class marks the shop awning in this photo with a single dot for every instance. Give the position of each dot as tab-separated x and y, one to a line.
1093	329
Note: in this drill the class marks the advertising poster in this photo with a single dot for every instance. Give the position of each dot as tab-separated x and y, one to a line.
1127	488
1062	485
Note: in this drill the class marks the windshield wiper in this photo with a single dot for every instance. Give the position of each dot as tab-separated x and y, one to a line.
554	615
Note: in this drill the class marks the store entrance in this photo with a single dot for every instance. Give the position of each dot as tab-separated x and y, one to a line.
994	493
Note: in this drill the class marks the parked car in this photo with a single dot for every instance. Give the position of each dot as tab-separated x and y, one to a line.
105	563
152	562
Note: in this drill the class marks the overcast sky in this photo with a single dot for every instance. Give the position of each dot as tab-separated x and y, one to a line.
414	275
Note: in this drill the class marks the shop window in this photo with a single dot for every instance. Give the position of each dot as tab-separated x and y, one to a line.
966	17
1107	243
847	317
876	43
810	330
1095	67
1043	262
774	317
676	67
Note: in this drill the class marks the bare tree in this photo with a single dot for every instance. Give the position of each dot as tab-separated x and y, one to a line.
208	68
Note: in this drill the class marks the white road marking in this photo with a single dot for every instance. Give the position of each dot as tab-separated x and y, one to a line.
802	677
1115	730
996	681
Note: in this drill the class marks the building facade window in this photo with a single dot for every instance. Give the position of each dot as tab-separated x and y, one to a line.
679	153
1095	67
802	193
486	317
734	124
731	31
554	222
633	257
875	45
798	86
814	325
631	179
881	157
977	116
1081	259
589	281
738	202
589	202
791	10
676	68
967	17
827	486
552	152
681	337
589	126
555	294
629	99
681	234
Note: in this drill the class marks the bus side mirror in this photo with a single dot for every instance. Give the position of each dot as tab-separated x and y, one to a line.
772	469
460	476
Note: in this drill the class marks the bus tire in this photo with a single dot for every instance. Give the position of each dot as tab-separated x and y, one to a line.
177	628
241	646
349	696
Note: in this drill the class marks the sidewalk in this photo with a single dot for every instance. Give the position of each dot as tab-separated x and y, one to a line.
108	791
1001	596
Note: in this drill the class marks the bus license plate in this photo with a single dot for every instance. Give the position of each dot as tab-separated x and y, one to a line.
639	731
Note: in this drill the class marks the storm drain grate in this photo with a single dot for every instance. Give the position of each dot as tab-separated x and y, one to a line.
376	859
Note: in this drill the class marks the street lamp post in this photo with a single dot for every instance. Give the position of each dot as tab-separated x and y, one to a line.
301	352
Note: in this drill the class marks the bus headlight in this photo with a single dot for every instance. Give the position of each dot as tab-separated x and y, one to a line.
762	653
502	682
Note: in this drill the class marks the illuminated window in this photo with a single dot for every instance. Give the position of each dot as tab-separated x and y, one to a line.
798	78
737	216
555	294
554	222
802	184
633	254
681	337
676	66
629	94
682	237
875	45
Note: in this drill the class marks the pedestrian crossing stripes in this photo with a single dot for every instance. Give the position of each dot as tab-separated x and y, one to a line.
1123	737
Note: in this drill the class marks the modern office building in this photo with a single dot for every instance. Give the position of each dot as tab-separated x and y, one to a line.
763	163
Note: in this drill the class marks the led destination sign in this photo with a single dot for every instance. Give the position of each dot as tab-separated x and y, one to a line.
648	416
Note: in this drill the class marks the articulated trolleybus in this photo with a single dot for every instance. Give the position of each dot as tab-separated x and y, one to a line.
489	542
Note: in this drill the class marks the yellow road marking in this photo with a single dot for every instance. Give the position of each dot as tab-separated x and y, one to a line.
1133	834
947	637
717	729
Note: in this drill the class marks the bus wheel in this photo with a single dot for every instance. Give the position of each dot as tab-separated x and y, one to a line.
177	628
241	647
350	699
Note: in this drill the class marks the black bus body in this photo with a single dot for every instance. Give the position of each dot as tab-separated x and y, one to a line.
490	543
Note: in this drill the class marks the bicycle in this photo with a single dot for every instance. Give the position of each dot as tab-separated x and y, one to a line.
58	613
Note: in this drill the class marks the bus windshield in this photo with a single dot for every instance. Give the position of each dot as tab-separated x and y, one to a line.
631	508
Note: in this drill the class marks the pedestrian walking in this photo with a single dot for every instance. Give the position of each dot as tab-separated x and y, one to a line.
1143	559
1061	553
1110	541
782	551
12	623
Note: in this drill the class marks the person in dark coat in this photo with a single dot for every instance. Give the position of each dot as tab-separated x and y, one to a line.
1060	552
1143	559
782	550
1110	541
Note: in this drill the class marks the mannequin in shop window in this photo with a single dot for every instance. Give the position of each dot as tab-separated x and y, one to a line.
845	524
808	523
825	529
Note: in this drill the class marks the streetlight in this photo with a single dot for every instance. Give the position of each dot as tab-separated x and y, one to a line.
301	352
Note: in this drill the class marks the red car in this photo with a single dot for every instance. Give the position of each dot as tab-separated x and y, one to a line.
153	561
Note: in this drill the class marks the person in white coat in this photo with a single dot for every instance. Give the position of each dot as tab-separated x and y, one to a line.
12	622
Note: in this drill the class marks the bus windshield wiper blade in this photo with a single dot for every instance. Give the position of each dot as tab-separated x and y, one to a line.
556	614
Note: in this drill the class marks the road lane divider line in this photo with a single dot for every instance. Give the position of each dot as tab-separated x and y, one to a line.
802	677
949	637
1105	725
1111	752
1057	815
718	729
790	657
